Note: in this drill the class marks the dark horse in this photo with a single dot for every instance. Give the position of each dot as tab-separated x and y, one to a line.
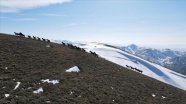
94	53
19	34
140	71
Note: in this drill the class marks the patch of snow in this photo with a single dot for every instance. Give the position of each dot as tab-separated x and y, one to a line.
29	87
48	101
163	97
47	46
7	95
71	92
48	81
38	91
112	88
73	69
153	95
18	83
6	67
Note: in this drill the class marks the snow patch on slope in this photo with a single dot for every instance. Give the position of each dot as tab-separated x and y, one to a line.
38	91
18	83
73	69
48	81
7	95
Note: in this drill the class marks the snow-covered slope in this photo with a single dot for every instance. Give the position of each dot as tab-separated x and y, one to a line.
168	58
177	63
131	48
149	69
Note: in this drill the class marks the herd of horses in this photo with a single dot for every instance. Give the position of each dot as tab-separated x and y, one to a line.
74	47
79	49
135	69
71	46
31	37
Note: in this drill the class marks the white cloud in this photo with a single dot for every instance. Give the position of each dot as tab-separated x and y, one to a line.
27	19
70	24
53	15
73	24
17	5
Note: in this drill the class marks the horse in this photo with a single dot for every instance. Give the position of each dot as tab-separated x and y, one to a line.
63	43
140	71
29	36
83	50
43	39
127	66
38	38
132	68
94	53
34	37
19	34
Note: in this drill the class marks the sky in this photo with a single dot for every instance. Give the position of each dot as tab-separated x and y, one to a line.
151	23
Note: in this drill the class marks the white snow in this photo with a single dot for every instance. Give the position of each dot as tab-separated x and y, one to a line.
71	92
48	46
29	87
153	95
18	83
163	97
123	58
7	95
48	81
38	91
48	101
73	69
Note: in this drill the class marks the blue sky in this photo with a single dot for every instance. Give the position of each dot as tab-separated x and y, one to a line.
154	23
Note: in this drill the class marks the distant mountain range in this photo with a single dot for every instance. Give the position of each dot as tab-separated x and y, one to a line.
168	58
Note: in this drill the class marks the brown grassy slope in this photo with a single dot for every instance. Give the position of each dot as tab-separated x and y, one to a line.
99	82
